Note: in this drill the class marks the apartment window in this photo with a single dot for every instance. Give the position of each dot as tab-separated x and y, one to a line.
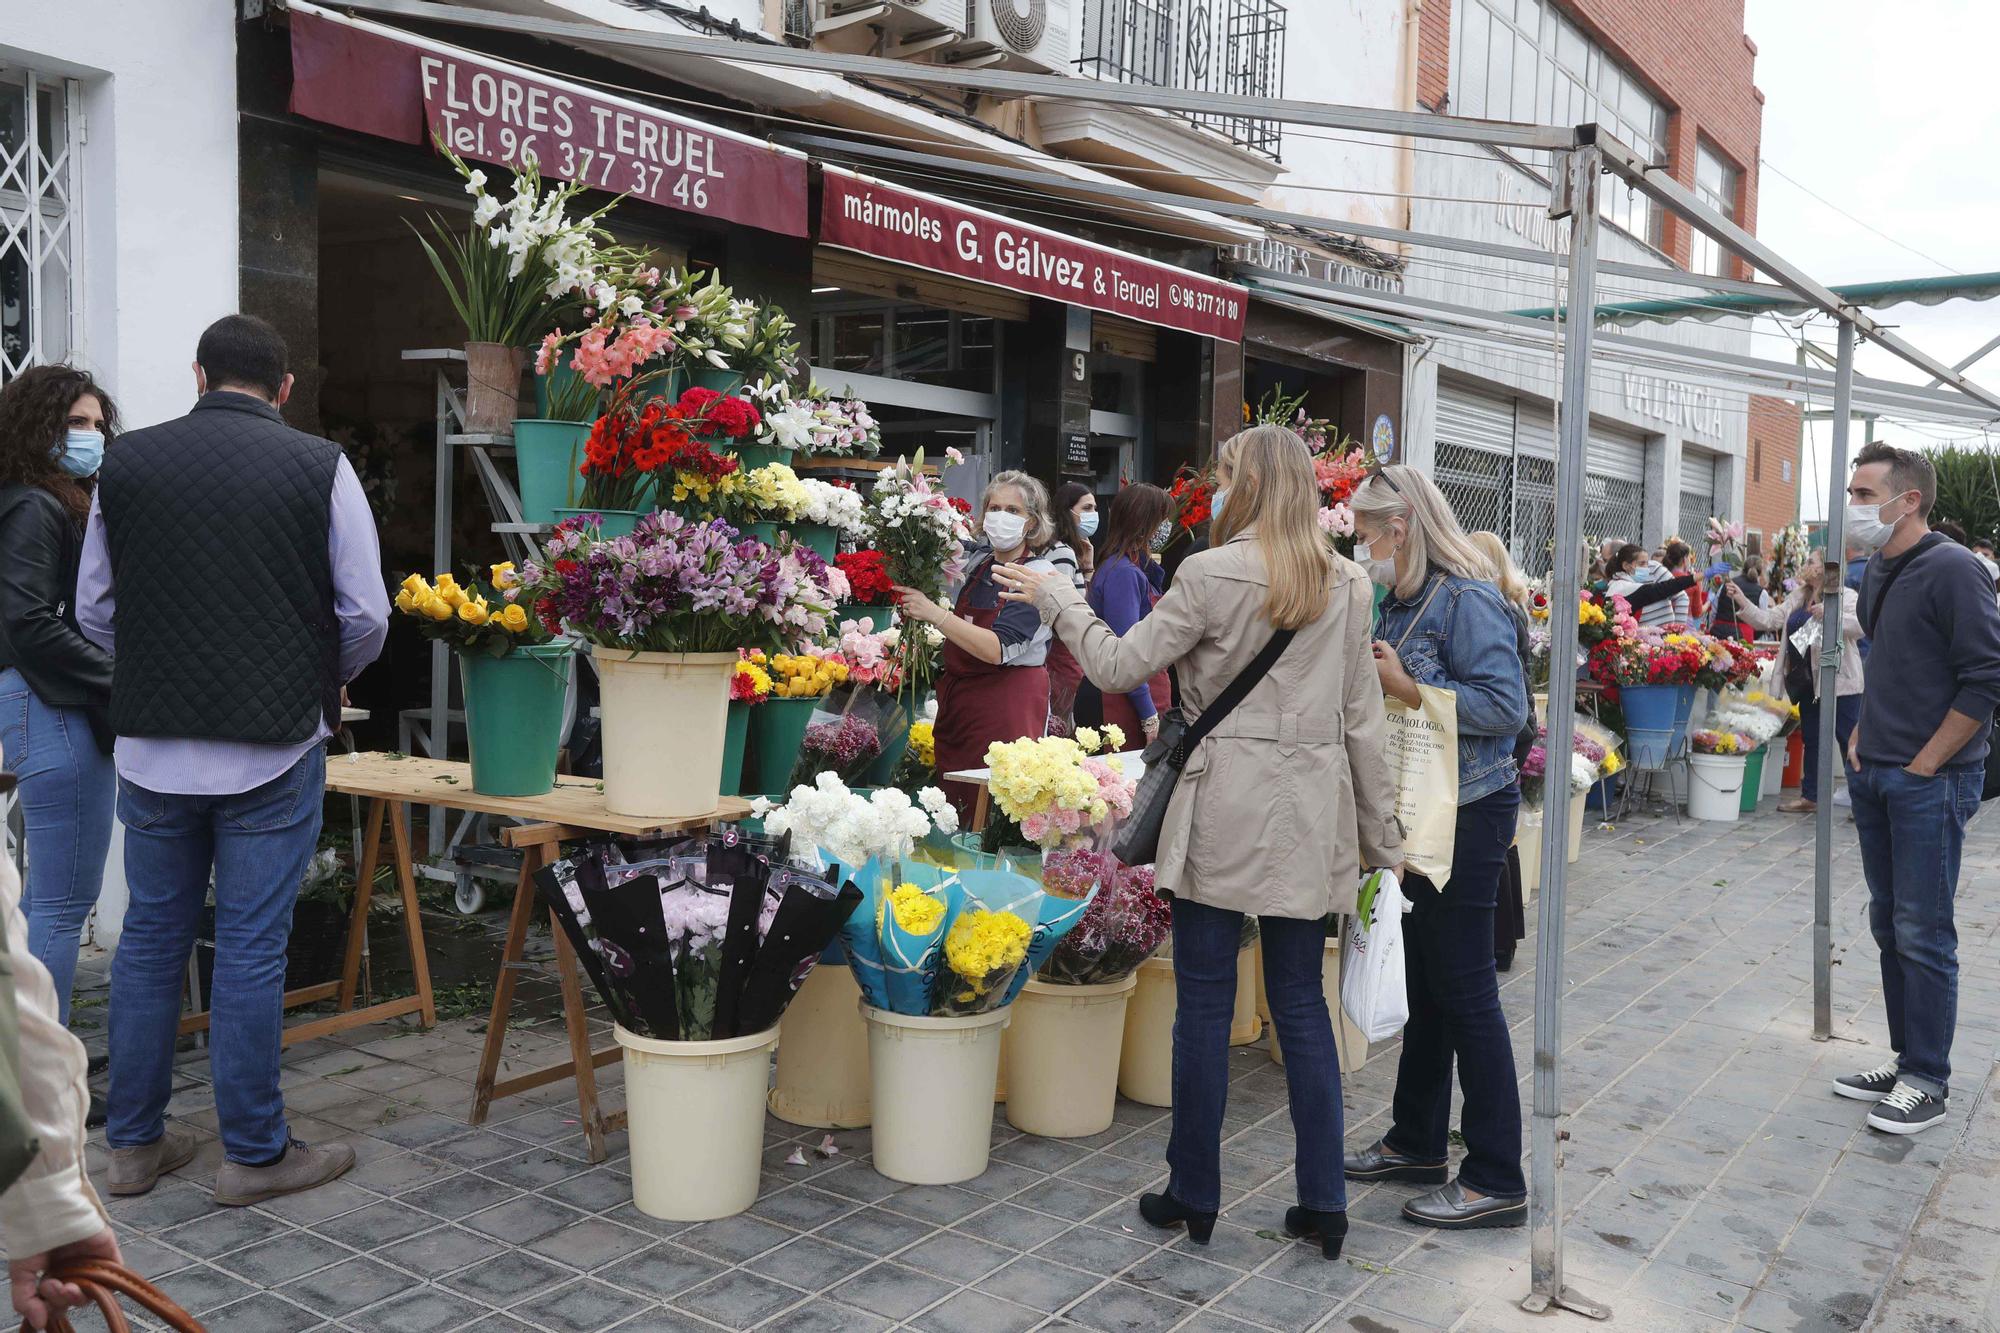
38	222
1522	60
1715	184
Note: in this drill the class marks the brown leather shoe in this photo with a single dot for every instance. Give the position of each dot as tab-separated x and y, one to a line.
301	1168
136	1170
1796	805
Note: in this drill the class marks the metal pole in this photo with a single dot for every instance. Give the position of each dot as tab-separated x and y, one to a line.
1579	199
1829	698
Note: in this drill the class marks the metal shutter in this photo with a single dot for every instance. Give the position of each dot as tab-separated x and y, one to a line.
1475	455
1698	494
1614	503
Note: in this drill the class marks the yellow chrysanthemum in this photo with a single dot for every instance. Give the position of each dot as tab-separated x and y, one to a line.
923	743
984	947
917	912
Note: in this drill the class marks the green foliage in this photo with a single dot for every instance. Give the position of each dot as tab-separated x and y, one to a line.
1968	490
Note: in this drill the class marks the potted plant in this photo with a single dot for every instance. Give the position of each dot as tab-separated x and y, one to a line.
823	1076
515	675
834	513
549	449
665	611
1715	786
509	275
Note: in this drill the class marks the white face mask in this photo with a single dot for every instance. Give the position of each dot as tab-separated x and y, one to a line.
1086	523
1004	530
1382	569
1217	501
1866	527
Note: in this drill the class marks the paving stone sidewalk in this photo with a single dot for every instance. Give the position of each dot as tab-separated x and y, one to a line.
1711	1181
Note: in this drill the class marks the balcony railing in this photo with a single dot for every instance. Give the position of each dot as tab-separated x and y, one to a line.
1227	46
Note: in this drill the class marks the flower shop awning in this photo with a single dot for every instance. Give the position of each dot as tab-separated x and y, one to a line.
376	80
908	227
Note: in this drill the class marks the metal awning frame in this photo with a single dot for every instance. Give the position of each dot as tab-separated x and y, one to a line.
1584	155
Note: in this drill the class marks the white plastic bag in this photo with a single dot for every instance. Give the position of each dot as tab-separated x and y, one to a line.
1371	960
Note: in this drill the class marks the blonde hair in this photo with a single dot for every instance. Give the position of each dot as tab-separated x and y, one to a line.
1435	541
1507	575
1271	488
1041	532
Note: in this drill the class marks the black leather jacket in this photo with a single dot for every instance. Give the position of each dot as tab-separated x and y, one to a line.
40	546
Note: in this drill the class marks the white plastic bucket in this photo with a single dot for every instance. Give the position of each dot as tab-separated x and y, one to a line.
1062	1057
1774	769
665	715
1576	825
1146	1059
822	1079
1715	788
712	1091
1244	1025
932	1084
1528	845
1348	1041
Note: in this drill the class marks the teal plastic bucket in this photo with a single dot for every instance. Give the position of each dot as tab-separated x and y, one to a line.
610	522
513	717
822	537
1753	779
766	533
733	743
754	456
879	617
708	377
778	729
547	458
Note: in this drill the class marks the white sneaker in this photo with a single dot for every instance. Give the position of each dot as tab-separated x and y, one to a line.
1842	799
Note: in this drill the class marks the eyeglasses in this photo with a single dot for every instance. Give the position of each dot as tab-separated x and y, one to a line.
1383	474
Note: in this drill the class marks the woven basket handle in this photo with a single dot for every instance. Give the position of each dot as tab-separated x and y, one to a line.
103	1282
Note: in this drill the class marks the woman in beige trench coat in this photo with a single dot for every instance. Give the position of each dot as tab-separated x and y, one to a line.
1275	811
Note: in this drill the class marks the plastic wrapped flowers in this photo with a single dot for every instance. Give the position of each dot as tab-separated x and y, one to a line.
1124	925
698	938
1050	791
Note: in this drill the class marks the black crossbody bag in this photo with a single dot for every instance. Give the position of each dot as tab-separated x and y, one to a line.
1138	840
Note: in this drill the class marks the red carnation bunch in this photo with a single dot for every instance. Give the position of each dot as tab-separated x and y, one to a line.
710	412
867	576
963	506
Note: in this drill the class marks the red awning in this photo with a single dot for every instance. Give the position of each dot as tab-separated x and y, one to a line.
889	222
375	80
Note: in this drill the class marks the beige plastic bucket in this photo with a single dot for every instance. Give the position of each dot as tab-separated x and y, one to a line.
665	715
1576	801
1245	1026
822	1079
1062	1057
712	1091
933	1093
1348	1042
1528	843
1146	1059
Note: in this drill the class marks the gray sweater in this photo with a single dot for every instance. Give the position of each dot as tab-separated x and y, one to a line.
1934	648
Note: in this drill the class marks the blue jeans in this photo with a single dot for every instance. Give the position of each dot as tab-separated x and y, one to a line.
1912	830
1455	1010
65	793
257	844
1206	944
1846	712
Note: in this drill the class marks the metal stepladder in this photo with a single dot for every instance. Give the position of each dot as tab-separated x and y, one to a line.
468	854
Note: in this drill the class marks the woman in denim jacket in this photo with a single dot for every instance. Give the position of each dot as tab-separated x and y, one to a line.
1443	623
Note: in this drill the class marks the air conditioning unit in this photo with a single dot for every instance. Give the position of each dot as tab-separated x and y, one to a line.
1035	35
909	27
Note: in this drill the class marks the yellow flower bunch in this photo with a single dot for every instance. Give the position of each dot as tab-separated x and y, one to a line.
1042	776
984	948
776	493
923	743
1693	641
1589	613
503	575
759	680
445	600
917	912
803	676
702	489
1613	762
1110	739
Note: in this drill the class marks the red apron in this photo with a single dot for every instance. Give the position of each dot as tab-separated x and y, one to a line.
979	703
1065	675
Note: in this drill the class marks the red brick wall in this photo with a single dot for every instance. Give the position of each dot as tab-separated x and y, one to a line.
1769	501
1695	56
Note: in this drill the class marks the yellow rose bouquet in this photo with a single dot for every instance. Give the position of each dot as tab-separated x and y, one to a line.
485	618
805	675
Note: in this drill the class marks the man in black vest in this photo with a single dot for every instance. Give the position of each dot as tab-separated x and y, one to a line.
231	566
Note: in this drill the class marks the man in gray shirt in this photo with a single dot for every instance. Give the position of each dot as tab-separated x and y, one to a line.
1919	756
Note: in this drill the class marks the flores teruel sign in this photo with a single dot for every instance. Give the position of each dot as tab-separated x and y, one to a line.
365	78
910	228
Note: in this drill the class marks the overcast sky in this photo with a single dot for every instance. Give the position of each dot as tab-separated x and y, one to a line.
1891	113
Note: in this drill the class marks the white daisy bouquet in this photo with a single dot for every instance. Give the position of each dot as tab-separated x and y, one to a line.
837	507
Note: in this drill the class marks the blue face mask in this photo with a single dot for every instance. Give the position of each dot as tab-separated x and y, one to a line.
1215	504
1086	523
82	453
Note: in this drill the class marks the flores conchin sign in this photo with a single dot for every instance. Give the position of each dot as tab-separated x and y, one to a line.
857	213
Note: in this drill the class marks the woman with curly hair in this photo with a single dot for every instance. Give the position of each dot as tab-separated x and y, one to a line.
55	685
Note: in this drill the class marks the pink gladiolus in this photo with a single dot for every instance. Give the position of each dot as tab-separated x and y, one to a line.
545	357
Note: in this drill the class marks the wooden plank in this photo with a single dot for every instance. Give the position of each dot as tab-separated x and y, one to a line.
484	1090
576	803
354	1018
547	1074
326	990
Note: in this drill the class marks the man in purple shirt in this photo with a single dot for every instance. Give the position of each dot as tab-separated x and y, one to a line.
231	567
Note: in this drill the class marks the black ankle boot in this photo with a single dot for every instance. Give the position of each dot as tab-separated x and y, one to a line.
1164	1211
1331	1228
